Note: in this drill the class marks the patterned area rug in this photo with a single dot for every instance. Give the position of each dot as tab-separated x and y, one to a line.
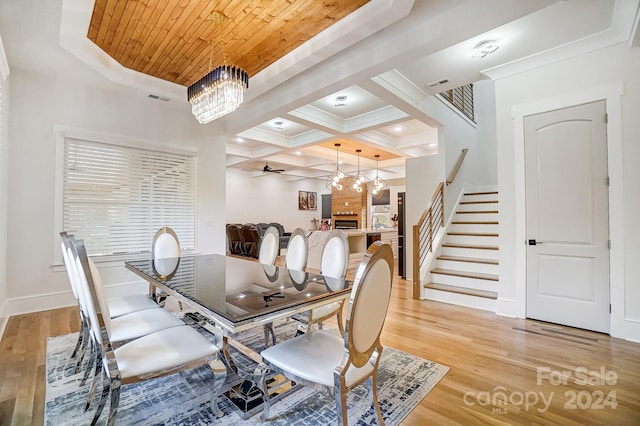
183	398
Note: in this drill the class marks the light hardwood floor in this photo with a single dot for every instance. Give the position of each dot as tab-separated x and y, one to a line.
489	356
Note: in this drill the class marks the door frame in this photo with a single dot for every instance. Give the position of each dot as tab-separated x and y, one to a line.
611	94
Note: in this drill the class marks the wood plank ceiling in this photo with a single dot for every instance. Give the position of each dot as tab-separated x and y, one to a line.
347	146
176	40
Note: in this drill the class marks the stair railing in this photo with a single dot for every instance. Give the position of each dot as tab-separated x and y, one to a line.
456	168
424	232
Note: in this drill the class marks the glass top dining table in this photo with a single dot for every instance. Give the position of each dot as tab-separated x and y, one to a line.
236	293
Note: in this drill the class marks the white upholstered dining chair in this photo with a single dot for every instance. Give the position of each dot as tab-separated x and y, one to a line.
153	355
269	246
165	245
334	262
324	360
297	250
125	327
128	326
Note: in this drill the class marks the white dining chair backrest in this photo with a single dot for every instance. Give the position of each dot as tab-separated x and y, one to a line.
68	265
269	246
297	250
369	302
84	289
165	244
335	255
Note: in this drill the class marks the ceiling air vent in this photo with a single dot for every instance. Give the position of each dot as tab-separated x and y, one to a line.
437	83
160	98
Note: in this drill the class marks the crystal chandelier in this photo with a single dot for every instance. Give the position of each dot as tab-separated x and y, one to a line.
358	179
221	91
377	185
334	179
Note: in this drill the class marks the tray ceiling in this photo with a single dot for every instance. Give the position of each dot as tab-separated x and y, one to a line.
176	40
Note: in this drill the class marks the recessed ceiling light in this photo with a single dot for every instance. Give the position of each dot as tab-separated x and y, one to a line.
298	153
239	139
484	48
341	101
279	125
398	128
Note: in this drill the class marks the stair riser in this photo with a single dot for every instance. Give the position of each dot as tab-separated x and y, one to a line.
465	252
480	197
465	282
461	299
476	217
473	228
477	207
472	239
481	268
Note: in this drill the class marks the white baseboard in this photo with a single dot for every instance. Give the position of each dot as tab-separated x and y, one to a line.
3	319
508	308
45	302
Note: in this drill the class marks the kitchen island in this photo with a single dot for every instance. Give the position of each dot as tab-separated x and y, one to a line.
357	239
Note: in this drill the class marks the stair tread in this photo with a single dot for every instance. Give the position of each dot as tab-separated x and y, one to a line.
470	246
474	222
474	234
463	290
481	193
468	259
476	211
480	202
478	275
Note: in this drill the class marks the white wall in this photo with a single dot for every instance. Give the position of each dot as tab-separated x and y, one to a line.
479	167
604	74
423	176
77	97
4	168
270	198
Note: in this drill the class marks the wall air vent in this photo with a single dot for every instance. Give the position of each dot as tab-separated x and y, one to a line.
437	83
160	98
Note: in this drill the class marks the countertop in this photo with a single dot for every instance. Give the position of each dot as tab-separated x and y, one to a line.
370	231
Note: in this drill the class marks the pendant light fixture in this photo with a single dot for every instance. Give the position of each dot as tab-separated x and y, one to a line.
377	185
358	179
334	180
221	91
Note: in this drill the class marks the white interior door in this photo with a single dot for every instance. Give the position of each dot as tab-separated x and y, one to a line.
567	217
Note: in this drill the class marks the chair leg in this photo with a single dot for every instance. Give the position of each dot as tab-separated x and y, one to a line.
83	349
340	396
103	398
372	385
90	365
95	382
81	333
260	374
220	377
78	352
268	330
115	400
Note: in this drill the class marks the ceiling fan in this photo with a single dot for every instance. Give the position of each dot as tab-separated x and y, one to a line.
270	170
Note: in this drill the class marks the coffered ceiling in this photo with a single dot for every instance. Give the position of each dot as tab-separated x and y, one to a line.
384	56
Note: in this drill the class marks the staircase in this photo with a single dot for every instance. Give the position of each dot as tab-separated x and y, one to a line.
466	270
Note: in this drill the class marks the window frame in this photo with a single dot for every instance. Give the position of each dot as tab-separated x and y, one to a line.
61	133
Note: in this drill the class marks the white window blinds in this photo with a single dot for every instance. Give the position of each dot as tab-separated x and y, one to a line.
116	197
